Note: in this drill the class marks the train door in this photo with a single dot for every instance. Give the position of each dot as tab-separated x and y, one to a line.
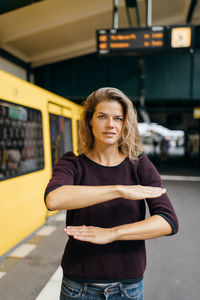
60	122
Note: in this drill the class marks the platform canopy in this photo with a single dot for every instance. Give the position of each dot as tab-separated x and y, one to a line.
52	30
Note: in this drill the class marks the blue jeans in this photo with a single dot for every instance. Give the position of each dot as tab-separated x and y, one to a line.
74	290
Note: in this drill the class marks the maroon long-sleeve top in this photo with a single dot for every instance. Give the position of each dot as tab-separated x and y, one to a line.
119	260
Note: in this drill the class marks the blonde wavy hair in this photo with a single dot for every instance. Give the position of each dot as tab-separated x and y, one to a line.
129	143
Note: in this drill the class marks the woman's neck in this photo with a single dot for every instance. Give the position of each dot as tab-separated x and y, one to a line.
108	156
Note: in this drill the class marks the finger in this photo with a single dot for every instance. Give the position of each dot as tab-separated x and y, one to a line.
158	191
72	232
75	228
153	195
78	232
80	228
153	189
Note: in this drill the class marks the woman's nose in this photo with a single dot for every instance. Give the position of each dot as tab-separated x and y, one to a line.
109	122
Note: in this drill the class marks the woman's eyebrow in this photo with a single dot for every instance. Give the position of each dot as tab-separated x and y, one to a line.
107	114
102	113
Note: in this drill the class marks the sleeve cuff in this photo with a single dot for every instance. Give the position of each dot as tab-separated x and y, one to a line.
174	230
48	191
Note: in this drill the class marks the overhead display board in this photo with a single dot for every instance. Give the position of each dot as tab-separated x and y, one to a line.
181	36
143	39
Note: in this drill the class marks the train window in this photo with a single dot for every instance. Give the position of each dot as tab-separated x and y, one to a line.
61	136
21	140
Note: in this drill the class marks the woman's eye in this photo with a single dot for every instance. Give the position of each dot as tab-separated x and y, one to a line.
101	117
119	119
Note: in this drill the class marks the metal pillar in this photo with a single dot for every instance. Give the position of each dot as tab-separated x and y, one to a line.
193	4
132	4
128	17
148	13
137	14
115	14
191	72
142	107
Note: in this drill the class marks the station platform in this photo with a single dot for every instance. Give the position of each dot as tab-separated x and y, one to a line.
32	271
26	271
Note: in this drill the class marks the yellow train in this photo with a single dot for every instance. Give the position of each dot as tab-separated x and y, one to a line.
36	128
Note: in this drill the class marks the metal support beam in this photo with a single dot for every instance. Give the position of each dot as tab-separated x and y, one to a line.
115	14
148	13
142	107
191	10
137	14
129	16
191	72
132	4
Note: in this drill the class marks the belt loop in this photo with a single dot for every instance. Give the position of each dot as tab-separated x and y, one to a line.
121	289
85	288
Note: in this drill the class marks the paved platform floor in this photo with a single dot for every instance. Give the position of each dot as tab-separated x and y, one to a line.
172	273
24	274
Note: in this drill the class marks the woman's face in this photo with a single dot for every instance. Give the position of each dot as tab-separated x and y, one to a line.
107	122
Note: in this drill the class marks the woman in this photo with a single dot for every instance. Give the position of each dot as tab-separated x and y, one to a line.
105	255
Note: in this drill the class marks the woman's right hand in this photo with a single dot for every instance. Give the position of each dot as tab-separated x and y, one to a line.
139	192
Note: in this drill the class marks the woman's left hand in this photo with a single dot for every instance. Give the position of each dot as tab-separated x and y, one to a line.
95	235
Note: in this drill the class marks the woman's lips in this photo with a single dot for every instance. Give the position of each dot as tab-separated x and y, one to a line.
109	133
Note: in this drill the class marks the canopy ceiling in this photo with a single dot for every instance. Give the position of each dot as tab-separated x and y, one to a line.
52	30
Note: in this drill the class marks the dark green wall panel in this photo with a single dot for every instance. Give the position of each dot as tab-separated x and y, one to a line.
89	74
61	79
79	77
124	74
168	76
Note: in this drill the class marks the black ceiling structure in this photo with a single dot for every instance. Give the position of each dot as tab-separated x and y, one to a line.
9	5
